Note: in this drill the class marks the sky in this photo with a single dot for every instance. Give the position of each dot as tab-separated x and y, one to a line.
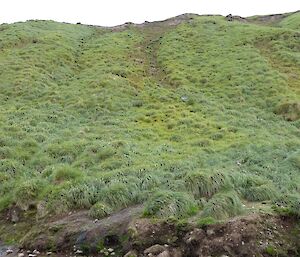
115	12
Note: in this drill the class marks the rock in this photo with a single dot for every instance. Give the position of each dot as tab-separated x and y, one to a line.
210	232
8	251
176	253
164	254
155	249
14	216
229	17
32	255
41	208
132	253
36	252
49	253
79	252
194	237
21	254
184	98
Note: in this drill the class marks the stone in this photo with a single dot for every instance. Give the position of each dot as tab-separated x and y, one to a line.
21	254
164	254
79	252
14	216
176	252
132	253
36	252
184	98
210	232
229	17
195	237
155	249
8	251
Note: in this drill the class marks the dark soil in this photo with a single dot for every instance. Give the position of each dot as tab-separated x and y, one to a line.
123	232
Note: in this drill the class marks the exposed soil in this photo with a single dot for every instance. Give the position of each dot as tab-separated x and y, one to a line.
125	231
253	235
174	21
78	229
269	19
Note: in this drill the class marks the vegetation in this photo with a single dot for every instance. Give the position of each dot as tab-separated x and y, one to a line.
100	210
198	117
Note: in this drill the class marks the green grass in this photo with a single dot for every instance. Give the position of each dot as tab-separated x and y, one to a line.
291	22
198	117
100	210
223	205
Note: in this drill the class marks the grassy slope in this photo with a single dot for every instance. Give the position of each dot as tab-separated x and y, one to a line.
291	22
180	118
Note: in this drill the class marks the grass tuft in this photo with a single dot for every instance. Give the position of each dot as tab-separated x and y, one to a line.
164	204
99	210
223	205
205	184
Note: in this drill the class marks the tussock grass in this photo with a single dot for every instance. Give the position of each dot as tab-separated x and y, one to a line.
288	204
27	192
65	173
149	115
290	111
100	210
165	204
260	193
253	187
223	205
292	22
205	184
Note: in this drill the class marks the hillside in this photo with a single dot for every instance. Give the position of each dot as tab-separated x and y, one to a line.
195	118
